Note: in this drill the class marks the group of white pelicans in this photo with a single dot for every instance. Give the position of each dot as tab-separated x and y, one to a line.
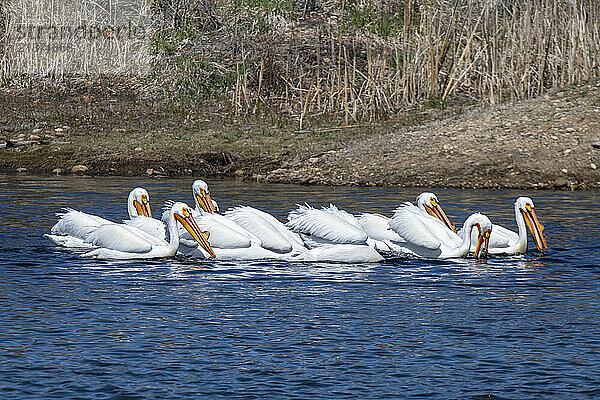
310	234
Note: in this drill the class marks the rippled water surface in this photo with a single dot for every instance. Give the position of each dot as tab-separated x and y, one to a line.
511	328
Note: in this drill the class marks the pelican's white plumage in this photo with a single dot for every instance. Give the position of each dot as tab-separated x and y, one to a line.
325	224
121	241
270	237
149	225
330	236
376	225
505	241
229	240
430	238
73	226
273	234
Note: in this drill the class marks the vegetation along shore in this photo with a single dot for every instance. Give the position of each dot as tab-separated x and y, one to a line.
466	93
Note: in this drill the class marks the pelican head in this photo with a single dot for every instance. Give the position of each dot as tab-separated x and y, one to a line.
428	202
183	214
138	203
524	206
202	196
484	230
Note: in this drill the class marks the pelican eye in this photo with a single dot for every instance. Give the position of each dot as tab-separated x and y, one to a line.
487	233
186	212
144	198
433	202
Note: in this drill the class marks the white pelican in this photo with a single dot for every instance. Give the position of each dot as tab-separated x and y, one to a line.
330	237
505	241
274	235
120	241
74	225
202	197
229	240
376	225
430	238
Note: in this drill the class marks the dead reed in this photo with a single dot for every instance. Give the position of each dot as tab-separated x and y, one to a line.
54	39
353	60
473	50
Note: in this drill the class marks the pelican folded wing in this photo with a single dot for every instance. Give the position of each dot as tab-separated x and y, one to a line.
409	225
119	238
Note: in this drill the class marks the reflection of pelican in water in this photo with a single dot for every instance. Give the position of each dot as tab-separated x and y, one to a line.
428	237
505	241
121	241
330	236
74	225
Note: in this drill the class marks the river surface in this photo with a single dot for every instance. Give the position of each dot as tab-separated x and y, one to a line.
510	328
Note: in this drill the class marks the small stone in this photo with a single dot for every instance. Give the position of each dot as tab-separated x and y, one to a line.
21	136
553	137
239	172
150	171
560	182
567	151
57	171
313	160
570	130
36	131
19	170
66	127
564	170
546	127
59	134
34	137
596	145
188	171
79	168
593	166
138	149
59	130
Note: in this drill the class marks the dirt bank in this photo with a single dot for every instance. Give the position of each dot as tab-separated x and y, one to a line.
110	129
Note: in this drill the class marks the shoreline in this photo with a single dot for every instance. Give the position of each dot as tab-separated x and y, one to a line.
551	142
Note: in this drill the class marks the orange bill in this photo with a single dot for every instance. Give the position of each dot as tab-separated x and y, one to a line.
143	208
436	211
205	202
536	229
190	225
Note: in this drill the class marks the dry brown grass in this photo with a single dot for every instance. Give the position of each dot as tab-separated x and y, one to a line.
479	50
353	60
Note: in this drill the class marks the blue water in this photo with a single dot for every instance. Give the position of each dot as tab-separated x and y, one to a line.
511	328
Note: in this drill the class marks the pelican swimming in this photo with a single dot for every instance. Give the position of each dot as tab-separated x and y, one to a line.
329	236
74	225
430	238
121	241
505	241
229	240
202	197
376	225
274	235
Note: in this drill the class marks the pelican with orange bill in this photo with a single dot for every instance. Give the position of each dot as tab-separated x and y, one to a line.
429	203
140	202
505	241
202	197
121	241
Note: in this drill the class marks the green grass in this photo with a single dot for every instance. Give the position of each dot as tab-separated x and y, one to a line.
368	18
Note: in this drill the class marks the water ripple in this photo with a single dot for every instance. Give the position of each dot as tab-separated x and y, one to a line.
508	328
